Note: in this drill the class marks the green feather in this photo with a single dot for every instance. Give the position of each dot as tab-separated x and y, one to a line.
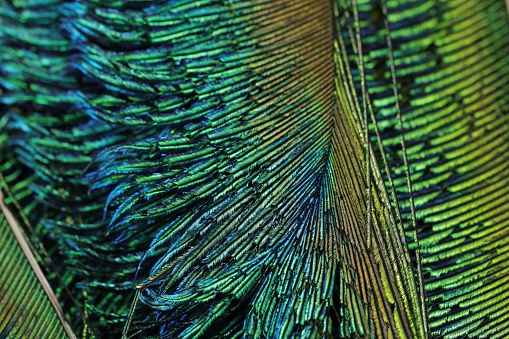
258	169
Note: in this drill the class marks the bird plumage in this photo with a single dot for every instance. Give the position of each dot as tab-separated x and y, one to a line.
261	169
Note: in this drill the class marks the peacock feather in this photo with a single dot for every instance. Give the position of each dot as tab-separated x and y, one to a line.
254	169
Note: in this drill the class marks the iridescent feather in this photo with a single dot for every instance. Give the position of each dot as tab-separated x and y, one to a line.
259	169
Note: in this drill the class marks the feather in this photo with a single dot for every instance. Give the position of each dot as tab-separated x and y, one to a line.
261	169
24	273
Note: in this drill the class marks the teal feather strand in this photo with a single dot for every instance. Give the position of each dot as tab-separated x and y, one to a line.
291	169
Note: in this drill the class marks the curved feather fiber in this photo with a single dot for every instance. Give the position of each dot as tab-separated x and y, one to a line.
236	179
278	169
236	188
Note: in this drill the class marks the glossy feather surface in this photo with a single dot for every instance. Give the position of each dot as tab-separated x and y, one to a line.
263	169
